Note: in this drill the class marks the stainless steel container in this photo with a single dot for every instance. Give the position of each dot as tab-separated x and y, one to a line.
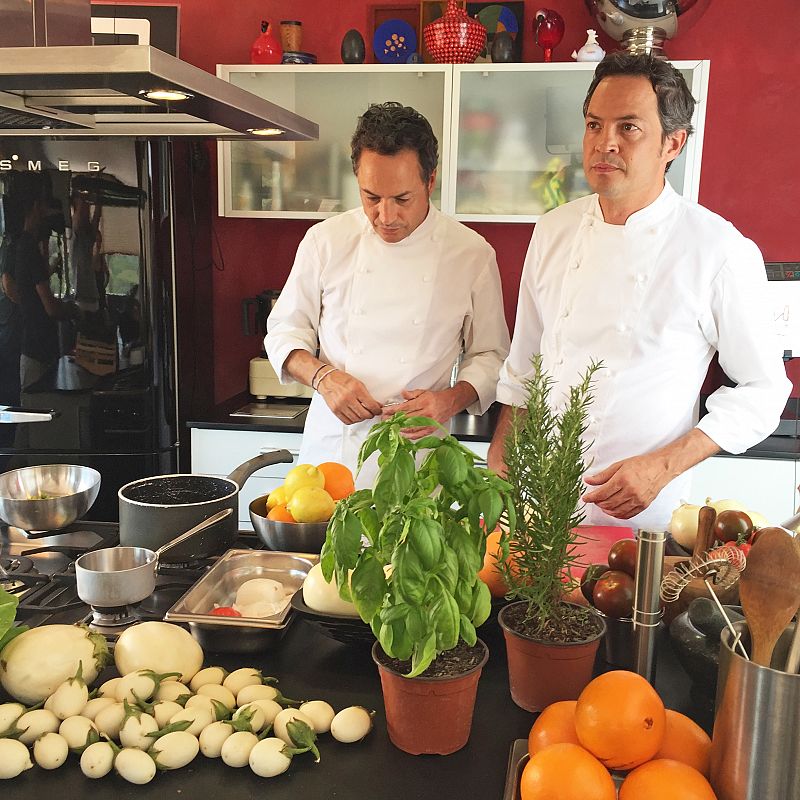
755	751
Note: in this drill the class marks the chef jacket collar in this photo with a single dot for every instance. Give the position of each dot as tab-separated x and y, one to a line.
649	215
424	229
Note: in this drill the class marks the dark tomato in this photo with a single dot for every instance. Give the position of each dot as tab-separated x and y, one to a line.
613	594
589	579
622	556
225	611
732	526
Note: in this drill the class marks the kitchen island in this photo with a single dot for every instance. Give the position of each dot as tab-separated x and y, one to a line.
310	665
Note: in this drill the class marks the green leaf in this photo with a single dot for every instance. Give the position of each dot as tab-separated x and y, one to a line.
491	507
449	569
394	481
468	633
452	467
12	633
416	623
481	603
396	611
408	575
386	638
8	610
402	643
463	597
445	616
429	442
425	537
369	523
424	652
368	586
347	541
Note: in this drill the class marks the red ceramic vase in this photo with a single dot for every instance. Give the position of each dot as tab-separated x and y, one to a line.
454	38
266	49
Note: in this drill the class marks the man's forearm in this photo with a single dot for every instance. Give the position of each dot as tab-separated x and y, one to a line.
686	451
496	455
462	395
302	366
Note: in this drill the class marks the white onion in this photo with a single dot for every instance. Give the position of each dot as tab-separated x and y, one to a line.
683	525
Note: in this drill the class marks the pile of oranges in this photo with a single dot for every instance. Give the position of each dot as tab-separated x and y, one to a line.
618	723
309	493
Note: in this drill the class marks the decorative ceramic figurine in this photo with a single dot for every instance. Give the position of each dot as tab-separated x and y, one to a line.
502	48
454	38
266	48
548	27
354	50
591	51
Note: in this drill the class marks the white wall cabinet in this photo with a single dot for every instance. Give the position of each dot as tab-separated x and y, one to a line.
509	135
218	452
766	485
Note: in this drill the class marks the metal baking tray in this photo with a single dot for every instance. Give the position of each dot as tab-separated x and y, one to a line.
218	587
517	759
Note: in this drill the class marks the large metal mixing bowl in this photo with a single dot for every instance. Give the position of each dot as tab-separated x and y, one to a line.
289	537
47	498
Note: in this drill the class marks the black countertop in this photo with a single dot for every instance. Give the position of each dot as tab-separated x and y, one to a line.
464	426
313	666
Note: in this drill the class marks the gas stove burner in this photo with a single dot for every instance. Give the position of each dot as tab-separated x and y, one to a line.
16	564
110	620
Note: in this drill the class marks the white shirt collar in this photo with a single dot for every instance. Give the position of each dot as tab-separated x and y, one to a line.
649	215
423	230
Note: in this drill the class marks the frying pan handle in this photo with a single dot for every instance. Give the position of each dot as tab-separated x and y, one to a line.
244	471
206	523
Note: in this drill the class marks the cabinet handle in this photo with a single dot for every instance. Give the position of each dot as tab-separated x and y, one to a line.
294	453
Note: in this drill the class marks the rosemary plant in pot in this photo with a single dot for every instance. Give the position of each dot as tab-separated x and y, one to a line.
551	644
407	553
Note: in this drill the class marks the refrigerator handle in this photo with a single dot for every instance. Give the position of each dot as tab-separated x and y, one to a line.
14	414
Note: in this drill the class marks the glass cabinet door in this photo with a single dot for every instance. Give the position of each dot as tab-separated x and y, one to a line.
315	179
518	131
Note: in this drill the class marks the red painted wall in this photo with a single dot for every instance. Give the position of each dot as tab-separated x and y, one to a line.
751	160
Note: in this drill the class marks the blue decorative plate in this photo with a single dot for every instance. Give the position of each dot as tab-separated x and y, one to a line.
394	41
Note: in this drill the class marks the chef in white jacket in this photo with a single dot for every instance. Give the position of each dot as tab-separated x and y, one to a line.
652	285
383	301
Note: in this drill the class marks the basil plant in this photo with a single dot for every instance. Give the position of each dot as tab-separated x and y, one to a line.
407	552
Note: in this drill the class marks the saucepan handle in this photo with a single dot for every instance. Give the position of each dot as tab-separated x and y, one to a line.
206	523
244	471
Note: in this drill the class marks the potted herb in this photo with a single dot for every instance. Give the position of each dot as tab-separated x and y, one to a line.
407	553
551	644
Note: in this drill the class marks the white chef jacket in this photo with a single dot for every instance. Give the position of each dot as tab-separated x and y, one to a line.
653	299
393	315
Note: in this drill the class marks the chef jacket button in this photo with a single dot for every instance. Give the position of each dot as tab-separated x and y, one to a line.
591	420
622	327
565	314
418	322
576	265
358	312
559	362
358	351
641	278
403	359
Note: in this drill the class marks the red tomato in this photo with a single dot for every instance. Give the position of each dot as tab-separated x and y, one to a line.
622	556
745	548
225	611
613	594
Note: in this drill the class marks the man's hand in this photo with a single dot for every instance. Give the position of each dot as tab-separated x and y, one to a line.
627	487
348	398
423	403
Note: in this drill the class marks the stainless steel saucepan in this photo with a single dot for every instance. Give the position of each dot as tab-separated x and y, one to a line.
120	576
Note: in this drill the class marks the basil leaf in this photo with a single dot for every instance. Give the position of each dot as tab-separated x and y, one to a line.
386	638
468	633
368	586
491	507
8	610
481	603
416	623
422	656
425	537
408	575
369	524
449	569
452	466
347	541
402	644
394	481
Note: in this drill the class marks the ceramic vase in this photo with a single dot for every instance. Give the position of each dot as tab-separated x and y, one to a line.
429	716
266	48
502	48
354	49
548	28
454	38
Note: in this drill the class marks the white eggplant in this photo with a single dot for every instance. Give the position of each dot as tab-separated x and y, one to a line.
197	717
236	748
172	690
9	714
208	675
135	766
268	759
134	730
175	750
159	646
79	732
239	678
270	708
35	663
35	723
50	751
284	718
14	758
95	706
320	713
109	720
351	724
219	693
255	691
250	717
213	737
97	760
164	710
69	699
109	688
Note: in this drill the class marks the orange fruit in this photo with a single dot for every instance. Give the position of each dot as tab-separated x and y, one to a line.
489	573
338	479
566	772
555	725
280	513
620	719
665	779
684	740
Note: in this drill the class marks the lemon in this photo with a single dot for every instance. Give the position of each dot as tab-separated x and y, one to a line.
277	497
300	476
311	504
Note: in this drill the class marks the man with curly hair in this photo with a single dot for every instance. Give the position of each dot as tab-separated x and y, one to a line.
385	300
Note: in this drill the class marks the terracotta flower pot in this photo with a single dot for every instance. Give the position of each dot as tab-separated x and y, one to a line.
540	673
429	715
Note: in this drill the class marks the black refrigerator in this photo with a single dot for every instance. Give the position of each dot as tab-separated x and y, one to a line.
105	392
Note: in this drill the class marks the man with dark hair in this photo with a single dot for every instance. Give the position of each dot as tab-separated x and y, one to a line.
384	300
652	285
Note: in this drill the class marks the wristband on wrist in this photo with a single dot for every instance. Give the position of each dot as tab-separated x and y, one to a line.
325	375
314	376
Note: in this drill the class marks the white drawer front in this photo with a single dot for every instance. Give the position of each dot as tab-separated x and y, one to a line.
219	452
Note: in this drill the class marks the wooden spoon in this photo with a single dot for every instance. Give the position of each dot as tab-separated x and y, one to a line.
769	589
706	518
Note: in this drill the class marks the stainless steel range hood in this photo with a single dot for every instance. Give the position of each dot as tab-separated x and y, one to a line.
80	90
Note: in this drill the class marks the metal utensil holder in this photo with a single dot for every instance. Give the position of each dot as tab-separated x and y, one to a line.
647	610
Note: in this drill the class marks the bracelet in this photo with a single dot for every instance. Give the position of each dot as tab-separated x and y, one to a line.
314	376
325	375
